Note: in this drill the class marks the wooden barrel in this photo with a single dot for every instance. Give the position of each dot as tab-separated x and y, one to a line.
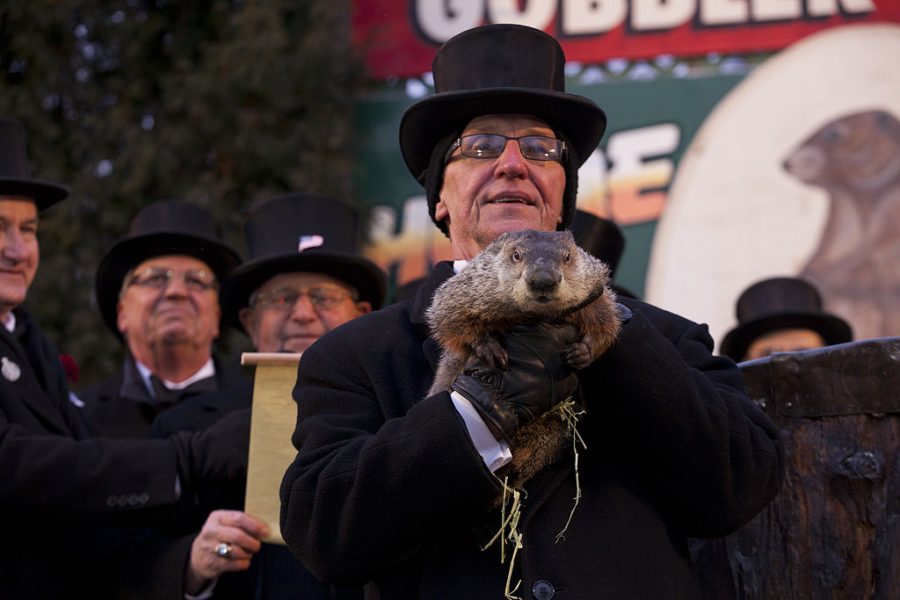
834	529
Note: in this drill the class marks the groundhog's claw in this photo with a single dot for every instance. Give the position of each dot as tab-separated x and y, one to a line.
491	353
578	355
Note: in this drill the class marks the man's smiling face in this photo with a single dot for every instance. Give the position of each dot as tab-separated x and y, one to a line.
19	255
483	198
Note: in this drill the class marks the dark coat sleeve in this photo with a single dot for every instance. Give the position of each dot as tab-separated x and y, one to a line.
362	451
661	402
105	479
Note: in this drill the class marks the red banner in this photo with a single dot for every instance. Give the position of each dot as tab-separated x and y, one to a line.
399	37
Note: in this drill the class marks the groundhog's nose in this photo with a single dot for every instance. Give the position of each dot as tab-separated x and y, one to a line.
543	280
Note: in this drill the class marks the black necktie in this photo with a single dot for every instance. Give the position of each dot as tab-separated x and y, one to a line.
166	396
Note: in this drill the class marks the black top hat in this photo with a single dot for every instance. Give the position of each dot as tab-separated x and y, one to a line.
601	237
164	227
781	303
302	232
15	178
498	69
604	239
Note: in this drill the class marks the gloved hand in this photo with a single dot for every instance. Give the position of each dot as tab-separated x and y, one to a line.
212	464
537	378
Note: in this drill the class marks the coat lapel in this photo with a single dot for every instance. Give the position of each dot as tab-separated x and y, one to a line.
20	379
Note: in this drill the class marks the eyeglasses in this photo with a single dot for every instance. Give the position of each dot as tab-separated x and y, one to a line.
158	278
491	145
321	298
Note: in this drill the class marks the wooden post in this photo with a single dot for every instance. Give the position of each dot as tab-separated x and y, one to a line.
834	529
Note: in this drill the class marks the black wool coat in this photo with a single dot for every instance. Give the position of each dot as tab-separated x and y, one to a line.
388	489
58	486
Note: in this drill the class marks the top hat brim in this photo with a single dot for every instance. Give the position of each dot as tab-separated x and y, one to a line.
833	330
131	251
362	274
44	193
429	120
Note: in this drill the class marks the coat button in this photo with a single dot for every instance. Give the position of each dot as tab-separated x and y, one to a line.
543	590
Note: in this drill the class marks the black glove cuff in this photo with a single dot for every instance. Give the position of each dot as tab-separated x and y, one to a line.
483	394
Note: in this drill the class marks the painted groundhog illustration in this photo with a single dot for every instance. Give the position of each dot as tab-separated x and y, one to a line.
524	277
856	159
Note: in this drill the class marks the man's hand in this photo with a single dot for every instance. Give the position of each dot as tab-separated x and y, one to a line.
227	542
536	379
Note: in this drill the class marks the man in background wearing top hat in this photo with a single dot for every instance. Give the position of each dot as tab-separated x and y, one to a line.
604	239
58	485
158	292
303	277
782	314
397	489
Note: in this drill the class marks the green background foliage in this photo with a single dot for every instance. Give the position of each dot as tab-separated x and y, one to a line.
219	102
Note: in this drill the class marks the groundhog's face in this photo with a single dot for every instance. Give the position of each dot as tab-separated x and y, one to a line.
546	272
859	151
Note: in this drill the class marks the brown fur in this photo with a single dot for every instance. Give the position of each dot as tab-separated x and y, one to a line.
524	277
855	158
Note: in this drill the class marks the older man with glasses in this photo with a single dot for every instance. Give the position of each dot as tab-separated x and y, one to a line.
404	489
158	291
304	277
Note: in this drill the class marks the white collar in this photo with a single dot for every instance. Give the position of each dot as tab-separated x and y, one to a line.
207	370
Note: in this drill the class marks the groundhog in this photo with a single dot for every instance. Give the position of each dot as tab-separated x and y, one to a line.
520	278
855	158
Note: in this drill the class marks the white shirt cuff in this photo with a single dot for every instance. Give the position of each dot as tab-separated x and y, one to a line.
495	453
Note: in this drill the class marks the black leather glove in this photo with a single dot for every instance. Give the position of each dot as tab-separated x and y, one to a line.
536	380
212	464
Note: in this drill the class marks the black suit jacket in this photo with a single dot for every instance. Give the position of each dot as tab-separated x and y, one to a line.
199	412
114	411
57	486
146	564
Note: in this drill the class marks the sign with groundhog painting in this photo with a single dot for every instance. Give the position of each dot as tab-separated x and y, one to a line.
398	38
795	173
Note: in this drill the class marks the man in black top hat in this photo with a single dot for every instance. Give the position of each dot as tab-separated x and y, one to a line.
782	314
158	291
396	488
303	277
58	485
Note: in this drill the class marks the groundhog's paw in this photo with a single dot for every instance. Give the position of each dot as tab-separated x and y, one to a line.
578	355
